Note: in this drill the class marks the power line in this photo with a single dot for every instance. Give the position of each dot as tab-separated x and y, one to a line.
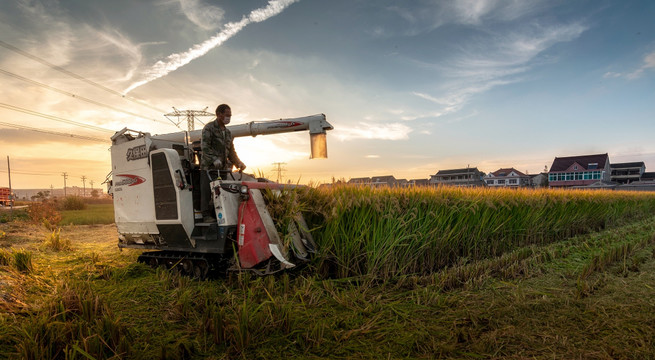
32	173
78	77
55	132
55	118
34	82
28	173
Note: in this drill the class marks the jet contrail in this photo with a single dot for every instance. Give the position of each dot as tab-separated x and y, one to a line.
175	61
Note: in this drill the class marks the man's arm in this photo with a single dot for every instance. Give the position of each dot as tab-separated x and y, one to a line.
232	155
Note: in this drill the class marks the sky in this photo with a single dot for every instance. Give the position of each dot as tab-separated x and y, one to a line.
411	87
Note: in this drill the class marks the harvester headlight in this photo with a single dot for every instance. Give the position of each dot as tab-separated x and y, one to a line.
244	189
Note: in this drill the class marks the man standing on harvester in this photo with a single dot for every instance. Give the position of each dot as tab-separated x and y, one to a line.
218	155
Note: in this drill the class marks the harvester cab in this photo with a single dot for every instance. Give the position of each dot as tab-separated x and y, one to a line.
155	185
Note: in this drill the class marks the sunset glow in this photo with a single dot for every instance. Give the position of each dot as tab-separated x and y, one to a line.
410	87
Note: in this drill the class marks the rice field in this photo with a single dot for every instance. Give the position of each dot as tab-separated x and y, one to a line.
93	214
386	232
466	274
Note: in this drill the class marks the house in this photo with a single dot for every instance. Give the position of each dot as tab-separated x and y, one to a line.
648	176
359	181
402	182
419	182
508	177
645	183
625	173
539	180
599	185
458	177
580	170
387	180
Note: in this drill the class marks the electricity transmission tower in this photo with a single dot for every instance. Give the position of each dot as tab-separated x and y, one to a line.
279	169
188	115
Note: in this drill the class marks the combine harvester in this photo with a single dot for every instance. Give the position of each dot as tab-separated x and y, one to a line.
155	184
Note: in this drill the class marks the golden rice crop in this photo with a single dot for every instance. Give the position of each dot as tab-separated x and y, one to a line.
389	231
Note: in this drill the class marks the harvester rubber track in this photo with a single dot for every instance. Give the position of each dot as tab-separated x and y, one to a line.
196	265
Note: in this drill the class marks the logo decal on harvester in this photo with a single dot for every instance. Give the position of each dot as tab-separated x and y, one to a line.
130	180
137	152
283	124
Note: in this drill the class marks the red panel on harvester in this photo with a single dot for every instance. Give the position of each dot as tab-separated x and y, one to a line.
253	239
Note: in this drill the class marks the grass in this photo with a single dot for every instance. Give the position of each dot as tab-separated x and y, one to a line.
415	273
583	297
387	232
93	214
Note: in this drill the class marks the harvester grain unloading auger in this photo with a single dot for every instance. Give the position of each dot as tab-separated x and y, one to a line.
155	184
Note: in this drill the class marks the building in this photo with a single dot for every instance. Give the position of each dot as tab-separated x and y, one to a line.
359	181
387	180
645	183
539	180
458	177
419	182
402	182
625	173
508	177
580	170
648	176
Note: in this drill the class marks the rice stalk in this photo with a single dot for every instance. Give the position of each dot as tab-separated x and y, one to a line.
385	232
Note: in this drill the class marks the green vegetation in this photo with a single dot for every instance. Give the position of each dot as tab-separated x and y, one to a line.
93	214
576	298
23	260
387	232
72	203
56	242
7	215
401	273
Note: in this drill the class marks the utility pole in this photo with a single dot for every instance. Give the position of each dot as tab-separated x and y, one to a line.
65	175
189	116
11	194
279	169
84	185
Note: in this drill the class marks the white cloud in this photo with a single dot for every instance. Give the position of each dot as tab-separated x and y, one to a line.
495	60
370	131
273	8
431	15
649	62
205	16
175	61
472	11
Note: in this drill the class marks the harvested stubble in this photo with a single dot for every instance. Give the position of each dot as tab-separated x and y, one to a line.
384	232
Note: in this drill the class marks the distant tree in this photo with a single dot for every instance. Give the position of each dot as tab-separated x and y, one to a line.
41	196
95	193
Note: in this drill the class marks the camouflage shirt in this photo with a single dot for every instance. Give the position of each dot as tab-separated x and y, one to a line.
217	143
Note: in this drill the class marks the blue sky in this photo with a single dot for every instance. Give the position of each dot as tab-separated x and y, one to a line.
411	87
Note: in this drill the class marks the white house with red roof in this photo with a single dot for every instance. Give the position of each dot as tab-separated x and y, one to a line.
507	177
